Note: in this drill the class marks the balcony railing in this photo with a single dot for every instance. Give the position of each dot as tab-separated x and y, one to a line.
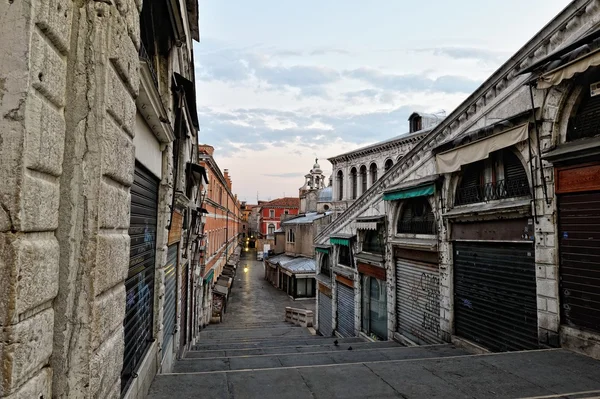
493	191
146	57
417	227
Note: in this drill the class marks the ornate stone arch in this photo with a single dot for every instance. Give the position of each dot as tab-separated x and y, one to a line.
397	208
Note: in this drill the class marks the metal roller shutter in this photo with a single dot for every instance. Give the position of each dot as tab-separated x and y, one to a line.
345	310
139	286
325	325
579	232
184	305
495	295
169	308
418	301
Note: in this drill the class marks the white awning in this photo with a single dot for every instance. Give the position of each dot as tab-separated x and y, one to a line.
366	225
451	160
567	71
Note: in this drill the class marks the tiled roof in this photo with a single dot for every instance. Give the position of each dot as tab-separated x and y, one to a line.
287	202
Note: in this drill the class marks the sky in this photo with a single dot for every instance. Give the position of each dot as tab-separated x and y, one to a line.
281	82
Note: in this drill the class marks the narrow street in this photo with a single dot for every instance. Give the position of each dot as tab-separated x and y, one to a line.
255	354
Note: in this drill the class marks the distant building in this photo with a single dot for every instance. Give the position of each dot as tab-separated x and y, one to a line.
273	212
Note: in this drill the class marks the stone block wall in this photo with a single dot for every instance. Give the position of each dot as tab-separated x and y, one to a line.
67	110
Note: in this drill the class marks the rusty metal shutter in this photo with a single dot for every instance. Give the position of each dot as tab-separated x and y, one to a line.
169	304
579	234
139	286
325	322
495	301
345	310
418	301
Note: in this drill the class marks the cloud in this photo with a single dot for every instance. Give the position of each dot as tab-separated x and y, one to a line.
326	51
468	53
296	76
284	175
413	82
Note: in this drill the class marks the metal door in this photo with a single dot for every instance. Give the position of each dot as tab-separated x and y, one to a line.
345	310
139	286
169	305
495	301
418	301
325	322
579	235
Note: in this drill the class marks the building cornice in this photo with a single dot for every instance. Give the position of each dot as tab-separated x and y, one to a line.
377	148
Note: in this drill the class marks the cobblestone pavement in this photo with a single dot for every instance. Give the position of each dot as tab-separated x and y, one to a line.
255	300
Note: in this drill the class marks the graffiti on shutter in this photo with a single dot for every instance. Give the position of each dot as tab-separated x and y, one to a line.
418	301
169	307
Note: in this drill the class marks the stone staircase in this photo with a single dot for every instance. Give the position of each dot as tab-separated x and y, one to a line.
278	360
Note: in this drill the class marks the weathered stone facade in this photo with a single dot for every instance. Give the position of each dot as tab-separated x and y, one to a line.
503	97
68	91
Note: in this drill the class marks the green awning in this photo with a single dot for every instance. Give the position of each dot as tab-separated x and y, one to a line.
322	250
420	191
209	276
340	241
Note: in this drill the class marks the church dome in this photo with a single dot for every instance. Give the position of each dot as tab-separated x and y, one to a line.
316	167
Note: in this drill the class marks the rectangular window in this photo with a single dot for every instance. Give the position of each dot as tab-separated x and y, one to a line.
286	212
344	257
271	213
301	287
291	237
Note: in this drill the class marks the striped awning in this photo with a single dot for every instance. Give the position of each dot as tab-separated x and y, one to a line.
366	225
339	241
322	250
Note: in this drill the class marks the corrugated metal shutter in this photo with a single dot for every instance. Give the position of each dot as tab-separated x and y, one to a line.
345	310
184	305
418	301
139	285
169	308
495	301
585	123
579	232
325	322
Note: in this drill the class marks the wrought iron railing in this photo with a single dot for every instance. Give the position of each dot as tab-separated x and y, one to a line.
146	57
417	227
493	191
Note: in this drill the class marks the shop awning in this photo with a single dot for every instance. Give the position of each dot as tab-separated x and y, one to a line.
366	225
452	160
322	250
340	241
209	276
420	191
567	71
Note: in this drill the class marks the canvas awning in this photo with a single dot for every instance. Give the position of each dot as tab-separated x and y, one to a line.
366	225
452	160
413	192
322	250
570	69
340	241
209	276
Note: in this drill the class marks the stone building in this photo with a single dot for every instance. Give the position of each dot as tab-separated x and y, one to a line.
356	171
98	132
222	224
483	233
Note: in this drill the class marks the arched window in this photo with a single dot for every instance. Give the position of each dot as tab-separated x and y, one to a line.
416	217
363	179
586	117
340	185
388	164
373	172
373	242
354	182
502	175
271	229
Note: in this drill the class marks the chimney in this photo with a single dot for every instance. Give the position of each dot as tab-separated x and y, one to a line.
227	178
206	149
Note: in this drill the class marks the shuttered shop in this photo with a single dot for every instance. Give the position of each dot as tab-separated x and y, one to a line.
325	324
495	295
418	301
579	234
139	285
345	310
184	305
169	305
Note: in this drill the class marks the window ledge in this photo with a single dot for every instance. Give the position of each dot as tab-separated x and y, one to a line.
423	244
344	270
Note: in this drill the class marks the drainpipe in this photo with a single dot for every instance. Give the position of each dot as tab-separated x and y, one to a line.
539	147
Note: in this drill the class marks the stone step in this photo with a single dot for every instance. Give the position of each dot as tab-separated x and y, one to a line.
266	324
291	349
270	343
545	373
254	333
311	359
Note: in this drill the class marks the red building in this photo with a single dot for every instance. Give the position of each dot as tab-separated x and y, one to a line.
272	212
